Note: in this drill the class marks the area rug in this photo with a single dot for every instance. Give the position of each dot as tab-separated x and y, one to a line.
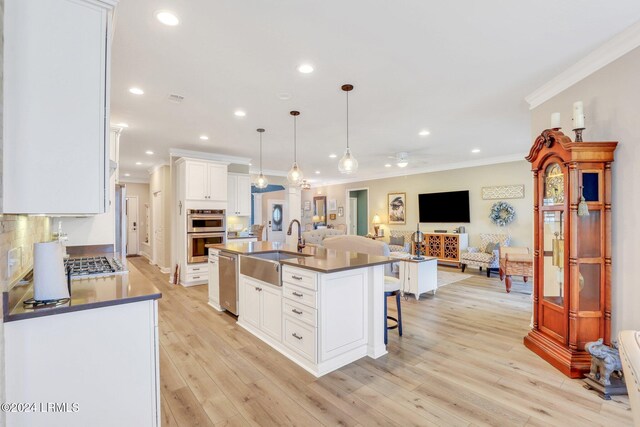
449	277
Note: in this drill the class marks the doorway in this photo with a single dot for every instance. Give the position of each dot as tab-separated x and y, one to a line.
158	229
131	212
276	220
358	214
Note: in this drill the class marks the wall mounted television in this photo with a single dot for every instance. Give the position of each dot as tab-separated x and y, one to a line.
451	206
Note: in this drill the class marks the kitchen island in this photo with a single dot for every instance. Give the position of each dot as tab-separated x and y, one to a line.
325	310
97	354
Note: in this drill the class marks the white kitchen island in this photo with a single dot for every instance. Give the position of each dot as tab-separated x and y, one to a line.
328	312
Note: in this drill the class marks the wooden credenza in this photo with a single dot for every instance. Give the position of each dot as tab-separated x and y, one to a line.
447	247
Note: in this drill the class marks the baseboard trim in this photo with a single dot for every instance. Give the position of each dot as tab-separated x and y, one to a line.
165	270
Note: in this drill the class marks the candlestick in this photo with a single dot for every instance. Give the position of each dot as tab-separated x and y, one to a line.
555	121
578	115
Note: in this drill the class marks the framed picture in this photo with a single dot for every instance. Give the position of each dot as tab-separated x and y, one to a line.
396	204
332	216
307	205
332	205
340	211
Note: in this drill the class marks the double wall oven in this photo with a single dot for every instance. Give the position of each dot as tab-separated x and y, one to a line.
204	227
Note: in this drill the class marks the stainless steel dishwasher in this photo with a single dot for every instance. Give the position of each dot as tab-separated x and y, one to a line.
228	280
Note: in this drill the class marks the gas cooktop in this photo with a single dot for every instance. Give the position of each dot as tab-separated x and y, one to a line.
93	266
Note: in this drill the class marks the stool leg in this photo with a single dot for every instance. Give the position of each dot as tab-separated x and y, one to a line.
399	314
385	319
507	282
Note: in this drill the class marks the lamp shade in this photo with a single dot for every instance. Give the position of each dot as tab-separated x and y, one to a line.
376	219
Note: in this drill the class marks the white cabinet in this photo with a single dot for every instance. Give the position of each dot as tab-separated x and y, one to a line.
98	358
261	307
239	194
419	276
56	106
205	181
214	280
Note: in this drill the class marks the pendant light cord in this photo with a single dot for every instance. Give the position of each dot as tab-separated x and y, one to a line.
295	153
260	153
347	120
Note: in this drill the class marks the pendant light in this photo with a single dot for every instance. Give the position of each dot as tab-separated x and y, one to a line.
347	164
295	174
261	181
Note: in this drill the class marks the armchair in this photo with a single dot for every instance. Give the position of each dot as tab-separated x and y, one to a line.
400	236
481	257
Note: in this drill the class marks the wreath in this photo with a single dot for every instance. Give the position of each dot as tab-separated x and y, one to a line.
502	213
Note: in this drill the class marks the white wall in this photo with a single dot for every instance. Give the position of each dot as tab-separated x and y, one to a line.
472	179
611	97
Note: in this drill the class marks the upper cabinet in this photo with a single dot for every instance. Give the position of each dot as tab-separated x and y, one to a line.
239	194
204	180
56	106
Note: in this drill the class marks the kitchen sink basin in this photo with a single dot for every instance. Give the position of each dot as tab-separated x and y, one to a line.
266	266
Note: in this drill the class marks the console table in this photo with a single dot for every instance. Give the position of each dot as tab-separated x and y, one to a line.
446	247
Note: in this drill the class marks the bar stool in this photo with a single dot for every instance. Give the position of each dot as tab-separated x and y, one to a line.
392	288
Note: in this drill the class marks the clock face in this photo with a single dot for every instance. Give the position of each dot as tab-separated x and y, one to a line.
553	185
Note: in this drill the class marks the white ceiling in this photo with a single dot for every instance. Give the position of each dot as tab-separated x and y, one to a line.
460	69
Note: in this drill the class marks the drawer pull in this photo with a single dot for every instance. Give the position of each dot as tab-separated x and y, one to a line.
296	277
258	289
296	336
296	311
196	277
297	294
195	269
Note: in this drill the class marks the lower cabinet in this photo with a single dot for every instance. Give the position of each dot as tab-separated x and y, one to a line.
261	307
301	338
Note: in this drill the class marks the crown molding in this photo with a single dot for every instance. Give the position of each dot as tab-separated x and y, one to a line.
608	52
178	152
439	168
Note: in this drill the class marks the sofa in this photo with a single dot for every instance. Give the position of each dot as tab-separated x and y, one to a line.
362	245
629	346
316	237
485	255
400	241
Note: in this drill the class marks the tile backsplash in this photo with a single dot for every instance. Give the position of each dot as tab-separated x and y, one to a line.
20	231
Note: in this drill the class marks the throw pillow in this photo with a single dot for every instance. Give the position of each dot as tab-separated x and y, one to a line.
492	246
396	240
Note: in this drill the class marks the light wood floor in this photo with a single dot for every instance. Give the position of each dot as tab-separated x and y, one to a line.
460	362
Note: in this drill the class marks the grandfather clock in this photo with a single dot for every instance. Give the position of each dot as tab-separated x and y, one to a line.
572	249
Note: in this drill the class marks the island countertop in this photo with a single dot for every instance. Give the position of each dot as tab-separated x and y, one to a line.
312	257
86	294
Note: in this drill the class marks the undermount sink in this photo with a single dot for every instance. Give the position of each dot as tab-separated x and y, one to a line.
266	266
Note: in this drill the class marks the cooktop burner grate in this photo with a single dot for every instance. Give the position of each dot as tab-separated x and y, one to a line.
88	266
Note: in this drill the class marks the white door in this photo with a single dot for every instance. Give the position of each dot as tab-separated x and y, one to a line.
131	211
271	312
217	176
250	305
197	181
243	195
232	195
353	216
276	221
158	229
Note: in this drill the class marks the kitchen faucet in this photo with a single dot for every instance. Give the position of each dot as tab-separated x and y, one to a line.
300	241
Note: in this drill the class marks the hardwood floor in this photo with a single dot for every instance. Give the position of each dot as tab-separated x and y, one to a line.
460	362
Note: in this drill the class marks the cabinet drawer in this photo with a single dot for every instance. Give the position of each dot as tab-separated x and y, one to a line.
300	337
300	277
197	277
198	269
300	312
299	294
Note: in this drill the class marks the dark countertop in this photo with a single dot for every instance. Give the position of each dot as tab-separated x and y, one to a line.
314	257
86	294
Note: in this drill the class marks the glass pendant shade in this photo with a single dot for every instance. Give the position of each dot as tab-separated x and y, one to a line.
261	181
295	174
348	164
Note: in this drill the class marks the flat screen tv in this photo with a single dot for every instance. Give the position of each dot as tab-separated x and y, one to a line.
452	206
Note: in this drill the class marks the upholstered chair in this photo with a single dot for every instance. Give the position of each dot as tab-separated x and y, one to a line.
257	230
629	346
391	283
487	255
400	241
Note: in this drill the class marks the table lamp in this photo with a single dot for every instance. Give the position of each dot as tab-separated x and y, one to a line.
376	224
418	238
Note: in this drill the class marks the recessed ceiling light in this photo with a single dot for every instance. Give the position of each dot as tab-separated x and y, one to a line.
127	174
424	132
239	113
250	164
305	68
122	125
138	163
167	18
204	137
136	91
149	152
284	96
332	156
388	165
475	150
317	172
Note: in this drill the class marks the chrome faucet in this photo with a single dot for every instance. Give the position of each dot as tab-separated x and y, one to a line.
289	231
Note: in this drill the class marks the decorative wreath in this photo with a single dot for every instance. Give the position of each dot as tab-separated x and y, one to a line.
502	213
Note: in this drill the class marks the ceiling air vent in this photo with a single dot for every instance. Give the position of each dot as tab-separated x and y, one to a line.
176	99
